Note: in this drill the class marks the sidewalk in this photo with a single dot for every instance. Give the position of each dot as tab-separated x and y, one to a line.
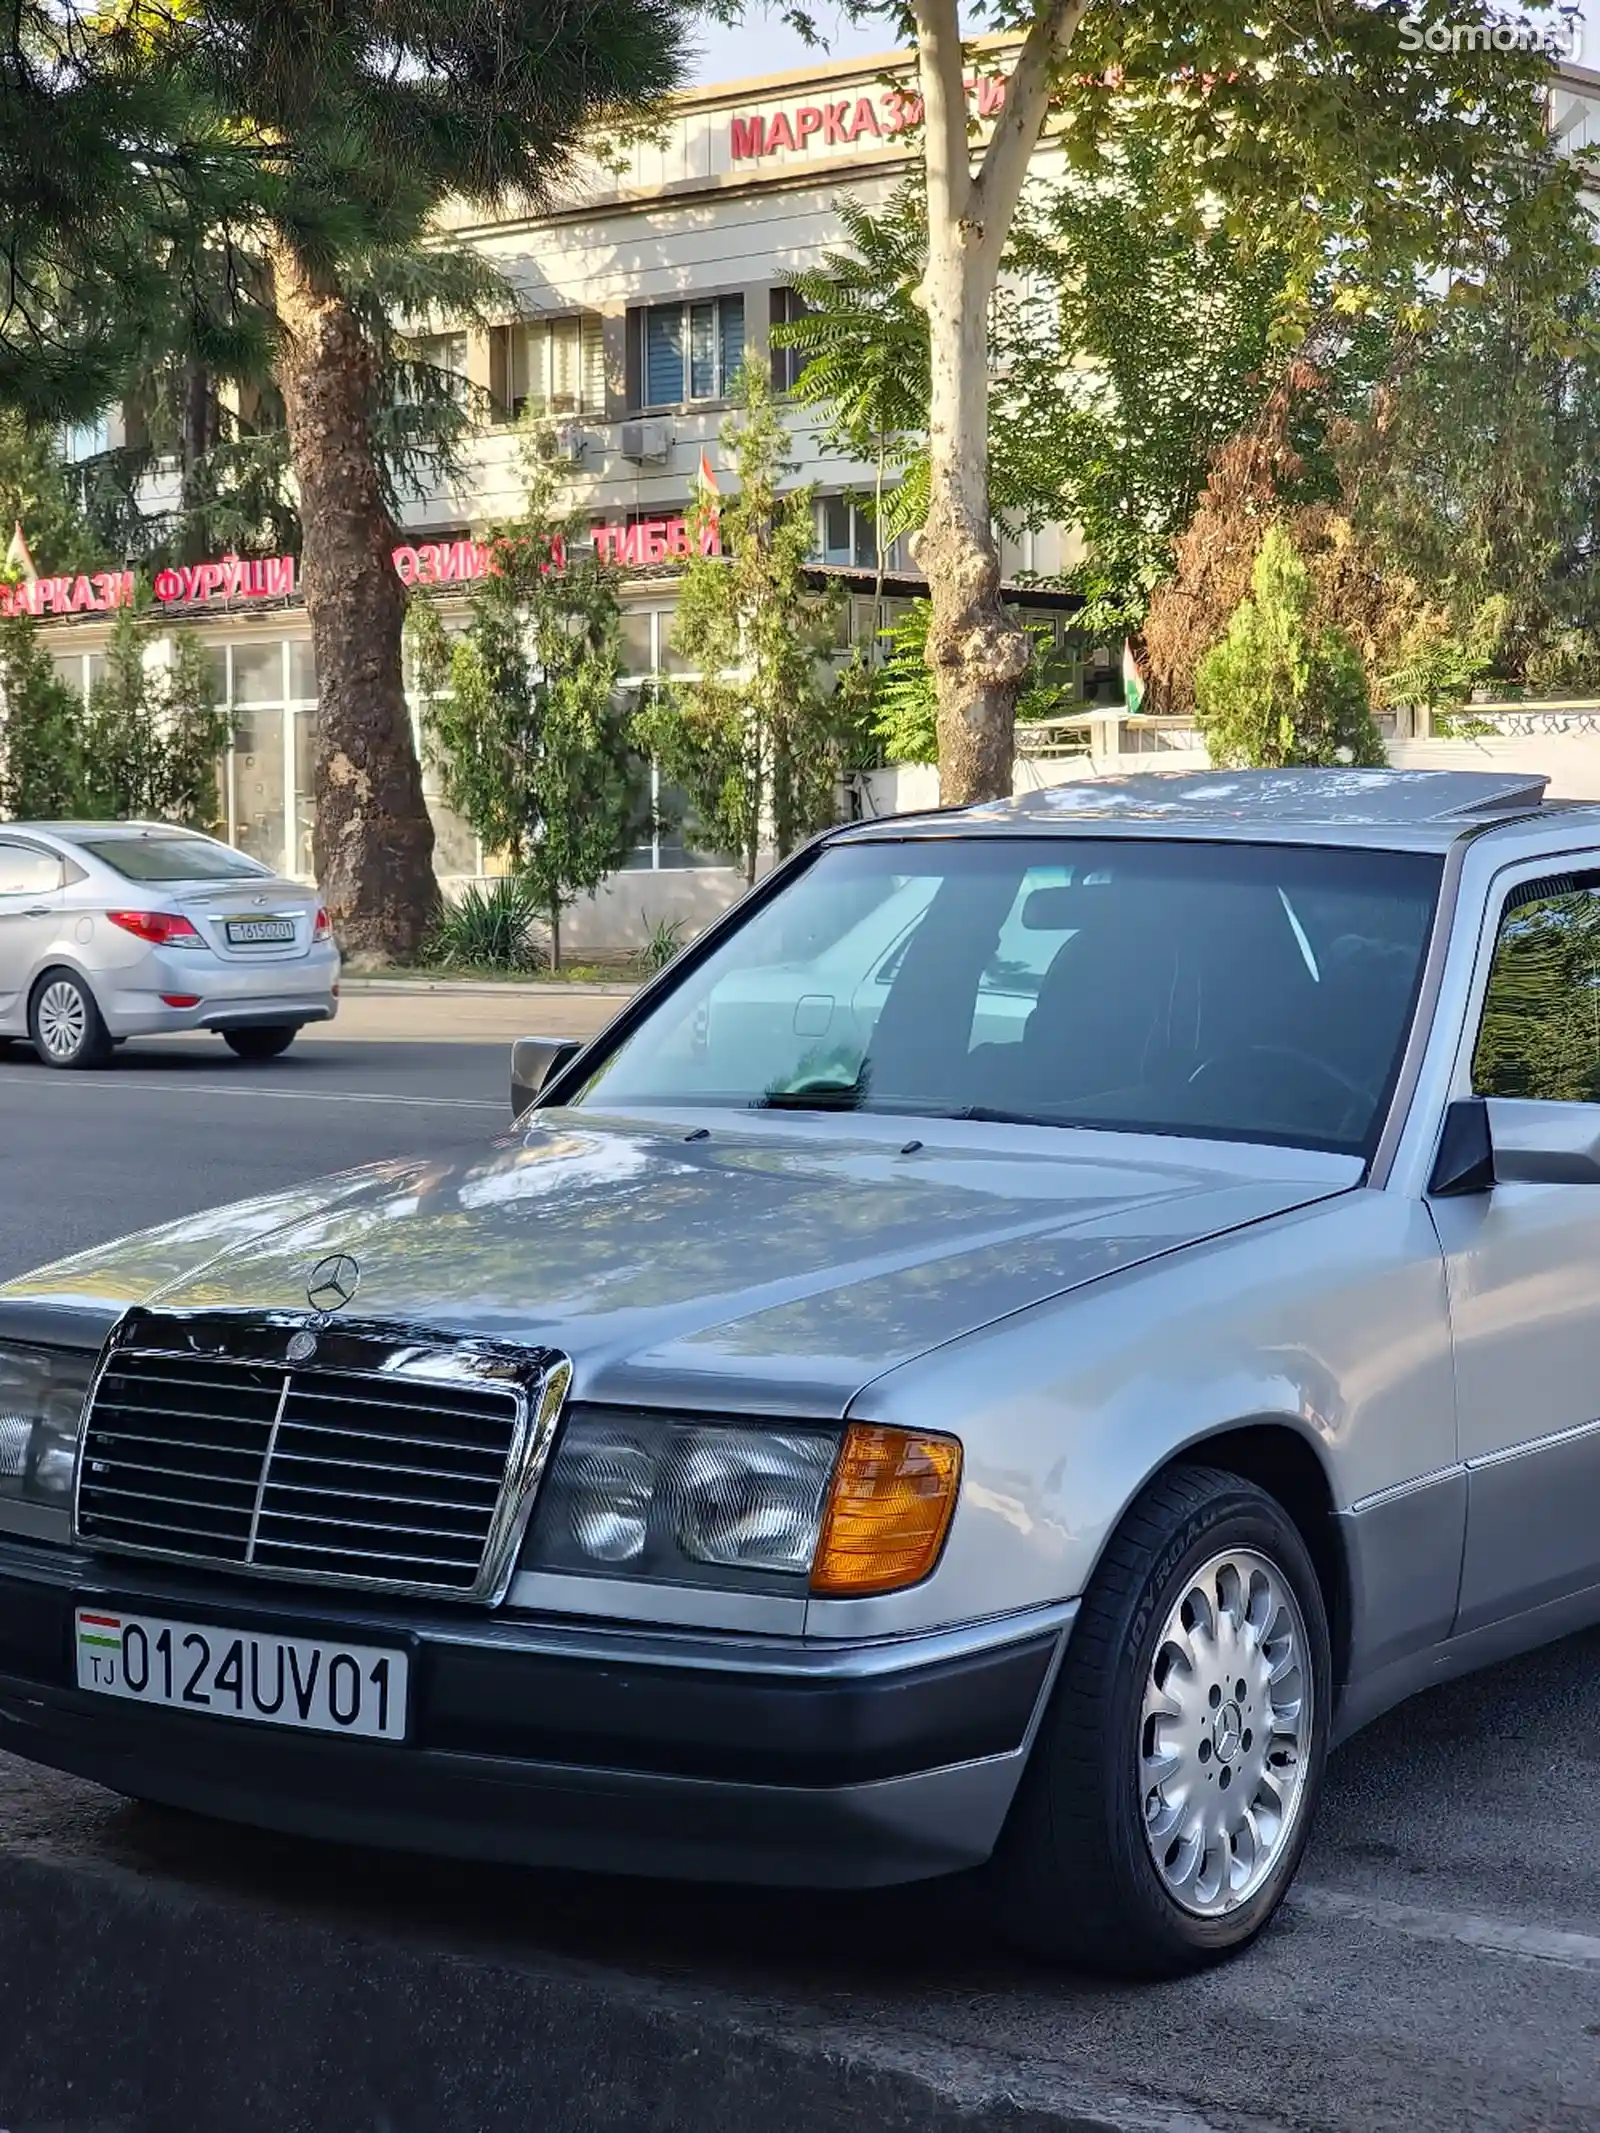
490	988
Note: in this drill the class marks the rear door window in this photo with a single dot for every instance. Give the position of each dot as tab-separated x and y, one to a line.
26	871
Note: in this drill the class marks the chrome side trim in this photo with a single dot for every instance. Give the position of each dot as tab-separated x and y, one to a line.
1505	1453
1433	1479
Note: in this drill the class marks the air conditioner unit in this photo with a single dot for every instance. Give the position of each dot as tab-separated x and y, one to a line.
563	445
647	442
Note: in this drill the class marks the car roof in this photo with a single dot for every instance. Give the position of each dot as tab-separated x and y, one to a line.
81	832
1418	810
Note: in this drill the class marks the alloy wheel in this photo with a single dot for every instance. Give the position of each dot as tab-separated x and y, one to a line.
62	1019
1226	1732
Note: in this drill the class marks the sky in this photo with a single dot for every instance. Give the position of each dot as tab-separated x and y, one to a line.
762	44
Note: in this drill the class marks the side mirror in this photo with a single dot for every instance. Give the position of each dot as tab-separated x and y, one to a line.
1505	1140
535	1063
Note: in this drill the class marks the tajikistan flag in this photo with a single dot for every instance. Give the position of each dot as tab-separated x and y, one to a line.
1132	679
18	562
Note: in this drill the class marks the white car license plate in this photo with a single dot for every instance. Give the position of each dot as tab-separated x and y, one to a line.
278	1681
251	932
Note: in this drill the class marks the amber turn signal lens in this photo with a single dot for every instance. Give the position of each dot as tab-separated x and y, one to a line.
888	1511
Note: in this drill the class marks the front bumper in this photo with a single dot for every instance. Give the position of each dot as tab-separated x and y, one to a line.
566	1743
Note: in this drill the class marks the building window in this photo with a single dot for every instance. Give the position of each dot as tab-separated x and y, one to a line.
685	352
786	308
85	440
551	366
847	535
446	352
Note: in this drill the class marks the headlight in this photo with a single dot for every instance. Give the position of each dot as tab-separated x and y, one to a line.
703	1503
42	1391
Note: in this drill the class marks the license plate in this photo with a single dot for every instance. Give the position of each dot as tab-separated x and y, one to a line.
251	932
277	1681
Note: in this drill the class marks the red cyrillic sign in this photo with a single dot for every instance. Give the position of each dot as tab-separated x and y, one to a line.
68	596
651	540
849	120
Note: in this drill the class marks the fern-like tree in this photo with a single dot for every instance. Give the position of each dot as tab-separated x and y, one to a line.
757	740
532	739
1279	691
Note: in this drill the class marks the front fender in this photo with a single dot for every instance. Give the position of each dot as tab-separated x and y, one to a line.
1330	1321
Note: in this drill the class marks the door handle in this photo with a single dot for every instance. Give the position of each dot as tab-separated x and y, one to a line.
39	911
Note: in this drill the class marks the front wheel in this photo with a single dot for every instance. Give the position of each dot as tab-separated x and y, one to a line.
65	1022
1169	1795
268	1043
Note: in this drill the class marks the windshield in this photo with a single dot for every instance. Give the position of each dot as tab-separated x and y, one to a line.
172	859
1247	992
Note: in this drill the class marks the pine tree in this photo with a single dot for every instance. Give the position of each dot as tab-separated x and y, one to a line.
531	737
41	730
756	740
1278	691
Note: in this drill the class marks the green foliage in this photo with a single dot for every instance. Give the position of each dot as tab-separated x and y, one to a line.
664	943
1277	691
1478	469
486	928
903	707
39	493
532	739
115	177
1536	1038
865	341
41	739
153	735
1437	665
756	741
147	744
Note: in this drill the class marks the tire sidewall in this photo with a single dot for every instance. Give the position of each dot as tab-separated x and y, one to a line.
1242	1517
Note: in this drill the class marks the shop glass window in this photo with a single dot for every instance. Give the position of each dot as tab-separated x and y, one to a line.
637	648
302	671
257	782
258	673
69	669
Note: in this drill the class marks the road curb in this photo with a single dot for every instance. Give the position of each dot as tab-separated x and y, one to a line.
487	988
135	2004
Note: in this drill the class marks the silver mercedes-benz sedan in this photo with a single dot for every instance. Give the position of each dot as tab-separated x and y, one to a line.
886	1432
110	930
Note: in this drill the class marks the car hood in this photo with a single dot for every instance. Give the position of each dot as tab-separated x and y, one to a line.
774	1264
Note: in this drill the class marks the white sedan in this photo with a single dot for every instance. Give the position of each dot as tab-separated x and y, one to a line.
110	930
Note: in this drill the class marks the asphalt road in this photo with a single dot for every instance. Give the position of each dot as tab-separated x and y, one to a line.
178	1124
1437	1967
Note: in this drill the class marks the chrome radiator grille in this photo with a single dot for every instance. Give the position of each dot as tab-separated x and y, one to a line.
332	1475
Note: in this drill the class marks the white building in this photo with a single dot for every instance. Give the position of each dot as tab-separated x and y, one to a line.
640	295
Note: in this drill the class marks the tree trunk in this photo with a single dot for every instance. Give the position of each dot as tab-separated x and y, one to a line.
977	652
555	937
372	842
